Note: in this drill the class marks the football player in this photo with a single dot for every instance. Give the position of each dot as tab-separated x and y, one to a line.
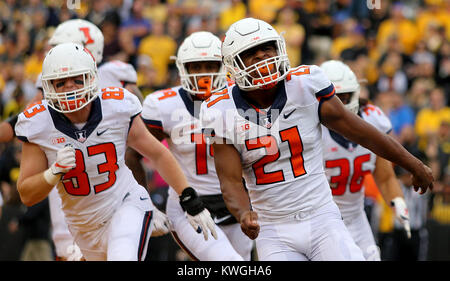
267	128
110	74
172	114
76	139
346	163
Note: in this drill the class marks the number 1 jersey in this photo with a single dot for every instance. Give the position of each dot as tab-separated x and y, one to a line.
174	112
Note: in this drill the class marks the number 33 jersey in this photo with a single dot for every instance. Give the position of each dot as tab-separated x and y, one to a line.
174	112
92	190
280	147
346	163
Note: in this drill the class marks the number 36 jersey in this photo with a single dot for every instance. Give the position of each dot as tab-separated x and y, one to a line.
91	191
174	112
346	163
280	147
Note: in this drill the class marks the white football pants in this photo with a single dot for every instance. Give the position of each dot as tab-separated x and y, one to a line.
318	235
125	236
231	244
359	227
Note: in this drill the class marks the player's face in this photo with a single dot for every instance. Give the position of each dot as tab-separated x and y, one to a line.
259	53
68	87
68	84
202	67
204	82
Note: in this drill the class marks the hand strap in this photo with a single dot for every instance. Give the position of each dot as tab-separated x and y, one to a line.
190	202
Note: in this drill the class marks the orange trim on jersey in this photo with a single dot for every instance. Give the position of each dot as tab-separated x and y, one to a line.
211	103
155	127
327	96
257	109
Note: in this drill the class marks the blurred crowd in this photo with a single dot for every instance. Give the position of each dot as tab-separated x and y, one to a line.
400	51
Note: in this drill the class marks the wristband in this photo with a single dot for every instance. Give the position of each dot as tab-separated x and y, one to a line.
190	202
51	178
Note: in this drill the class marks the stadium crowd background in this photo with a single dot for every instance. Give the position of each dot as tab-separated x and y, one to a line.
399	49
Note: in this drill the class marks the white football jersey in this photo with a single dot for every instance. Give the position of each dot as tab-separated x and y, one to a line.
281	148
115	73
175	113
90	192
346	163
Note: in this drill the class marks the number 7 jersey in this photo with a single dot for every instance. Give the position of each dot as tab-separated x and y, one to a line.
92	190
280	148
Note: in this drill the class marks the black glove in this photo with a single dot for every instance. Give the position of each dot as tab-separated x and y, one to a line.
190	202
197	215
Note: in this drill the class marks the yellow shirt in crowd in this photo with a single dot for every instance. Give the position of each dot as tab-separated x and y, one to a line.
159	49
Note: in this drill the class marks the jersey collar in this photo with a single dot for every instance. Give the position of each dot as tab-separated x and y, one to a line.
66	127
262	118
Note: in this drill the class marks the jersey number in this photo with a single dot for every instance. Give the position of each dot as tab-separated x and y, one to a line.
338	183
76	181
201	153
33	109
292	136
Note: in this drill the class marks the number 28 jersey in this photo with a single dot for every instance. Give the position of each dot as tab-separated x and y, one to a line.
174	112
92	190
347	163
281	147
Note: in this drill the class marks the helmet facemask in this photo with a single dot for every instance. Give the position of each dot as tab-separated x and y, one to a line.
74	100
202	85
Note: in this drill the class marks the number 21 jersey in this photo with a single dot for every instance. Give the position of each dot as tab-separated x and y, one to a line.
280	148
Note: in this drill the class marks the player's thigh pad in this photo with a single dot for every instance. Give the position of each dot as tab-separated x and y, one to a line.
130	227
330	239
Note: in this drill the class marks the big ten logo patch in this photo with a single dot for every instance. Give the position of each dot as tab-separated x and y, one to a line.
58	140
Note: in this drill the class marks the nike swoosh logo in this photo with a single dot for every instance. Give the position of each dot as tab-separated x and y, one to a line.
286	116
102	132
217	221
231	43
145	198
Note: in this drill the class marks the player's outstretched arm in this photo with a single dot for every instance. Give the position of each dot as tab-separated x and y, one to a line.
391	191
140	139
35	180
337	118
229	170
